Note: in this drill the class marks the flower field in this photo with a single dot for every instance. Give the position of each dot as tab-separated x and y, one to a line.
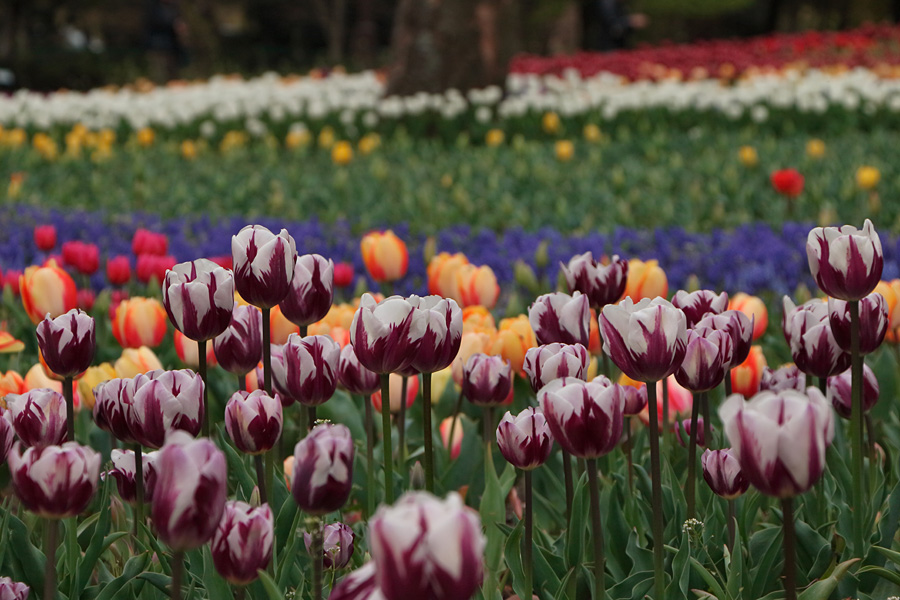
593	335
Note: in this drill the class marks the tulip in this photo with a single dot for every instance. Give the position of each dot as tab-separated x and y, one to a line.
112	406
585	418
635	399
45	237
477	286
384	255
11	383
788	377
199	298
440	332
873	322
867	177
787	182
722	472
754	308
118	270
311	292
697	305
55	482
513	340
525	440
67	342
47	290
839	388
355	377
382	334
337	547
38	417
263	265
739	326
343	274
323	469
7	436
424	547
135	361
561	318
148	242
84	257
707	359
815	148
151	267
545	363
188	351
746	377
191	489
412	390
310	365
125	471
487	380
810	336
238	349
748	156
443	275
645	280
448	428
13	590
358	585
139	322
254	421
602	284
684	432
846	262
91	379
170	400
243	541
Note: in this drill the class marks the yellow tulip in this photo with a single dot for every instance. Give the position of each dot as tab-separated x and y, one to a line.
565	150
342	153
748	156
91	378
867	177
815	148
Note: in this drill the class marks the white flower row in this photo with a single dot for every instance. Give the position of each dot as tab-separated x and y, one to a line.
358	100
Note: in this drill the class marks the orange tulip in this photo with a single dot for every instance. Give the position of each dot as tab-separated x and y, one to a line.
280	328
645	280
385	255
594	345
746	376
477	286
47	289
140	322
478	318
36	378
474	342
412	390
288	470
9	344
754	308
187	351
442	274
891	292
10	383
91	378
136	360
446	426
514	338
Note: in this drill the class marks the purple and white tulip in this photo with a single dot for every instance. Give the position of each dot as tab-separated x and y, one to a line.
386	335
440	324
602	284
254	421
239	348
243	542
545	363
337	545
739	326
199	298
723	474
164	402
873	322
263	265
487	380
838	391
310	366
13	590
112	407
525	440
700	303
635	399
809	334
355	377
788	377
586	418
683	432
707	358
358	585
846	262
38	417
323	469
55	482
68	342
311	292
562	318
124	471
7	437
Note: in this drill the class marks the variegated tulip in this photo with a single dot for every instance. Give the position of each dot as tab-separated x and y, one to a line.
602	284
561	318
67	343
166	401
838	391
787	377
310	368
55	482
311	292
810	336
584	417
337	545
545	363
873	322
125	469
263	265
199	298
386	334
700	303
243	541
487	380
846	262
239	348
38	417
525	440
440	326
355	377
723	474
707	359
323	469
254	421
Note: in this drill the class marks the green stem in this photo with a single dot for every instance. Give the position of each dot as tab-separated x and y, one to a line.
628	453
386	438
201	353
728	383
318	556
656	496
267	351
69	393
528	544
692	456
177	573
596	530
138	489
823	385
665	412
427	433
370	458
456	410
707	419
51	540
856	429
261	478
73	552
569	483
790	567
401	422
270	471
311	417
731	526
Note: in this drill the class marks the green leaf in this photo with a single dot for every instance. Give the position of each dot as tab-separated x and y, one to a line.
735	577
892	576
514	559
681	574
493	512
578	524
286	560
237	466
216	587
100	541
709	578
161	582
29	560
765	549
634	586
822	589
269	585
891	555
146	534
133	567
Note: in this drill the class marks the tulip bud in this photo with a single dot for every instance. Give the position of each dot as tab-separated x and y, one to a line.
525	440
239	348
385	255
311	292
746	377
810	336
167	401
635	399
602	284
788	377
38	416
148	242
439	324
707	359
310	368
487	380
846	262
697	305
112	407
254	421
13	590
723	474
199	298
45	237
561	318
263	265
135	361
525	277
47	290
118	270
381	334
337	545
446	426
139	322
190	493
67	342
343	274
124	470
243	542
355	377
323	469
873	322
417	477
645	280
55	482
545	363
787	182
683	432
754	308
585	418
838	391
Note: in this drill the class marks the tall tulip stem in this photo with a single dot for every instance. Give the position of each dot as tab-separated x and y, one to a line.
456	411
267	351
428	459
528	544
201	356
656	495
597	530
569	483
69	393
51	540
138	489
311	417
692	455
731	525
856	427
665	412
261	478
270	471
790	567
177	574
318	556
401	422
728	383
707	419
370	458
386	438
823	386
628	454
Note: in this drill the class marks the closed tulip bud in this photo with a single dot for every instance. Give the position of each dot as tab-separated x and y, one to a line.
754	308
353	376
723	474
67	342
697	305
846	262
442	275
810	335
477	286
190	493
310	368
150	267
747	376
645	340
239	348
707	359
199	298
787	182
487	380
149	242
525	440
585	418
263	265
124	471
243	542
873	322
602	284
645	280
412	390
112	407
323	469
385	255
47	290
85	258
739	326
555	361
780	438
343	274
254	421
683	432
788	377
38	416
456	446
118	270
170	400
135	361
838	391
358	585
45	237
424	547
93	377
139	322
561	318
635	400
13	590
55	482
385	335
439	326
311	292
525	276
337	545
